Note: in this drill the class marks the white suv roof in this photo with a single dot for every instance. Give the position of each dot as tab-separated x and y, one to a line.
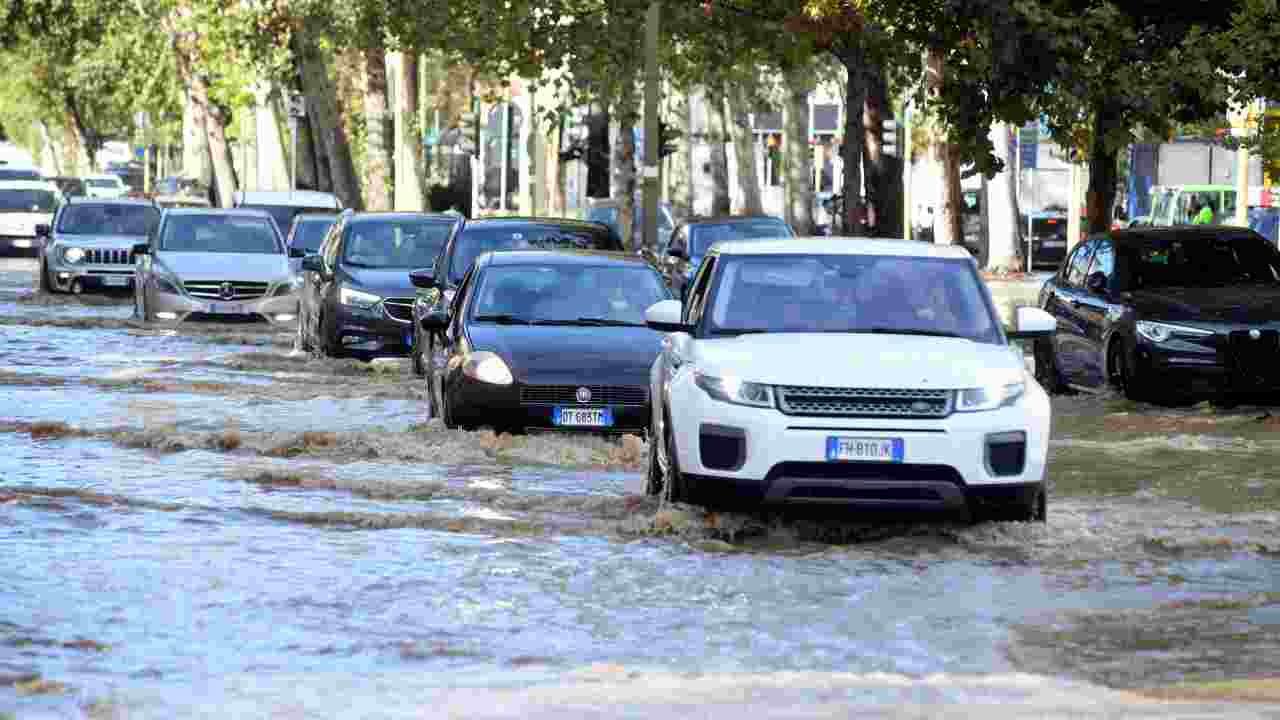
29	185
826	245
289	198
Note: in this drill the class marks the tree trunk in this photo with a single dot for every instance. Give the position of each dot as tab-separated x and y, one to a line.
377	129
1103	172
949	229
624	164
1002	212
883	171
408	174
88	139
195	143
215	127
326	119
744	149
799	155
854	220
717	134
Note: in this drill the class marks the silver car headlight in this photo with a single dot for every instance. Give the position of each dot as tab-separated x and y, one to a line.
734	390
287	287
1158	332
73	255
358	298
990	397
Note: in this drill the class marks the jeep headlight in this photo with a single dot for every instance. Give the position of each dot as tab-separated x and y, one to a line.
990	397
734	390
487	367
73	255
358	298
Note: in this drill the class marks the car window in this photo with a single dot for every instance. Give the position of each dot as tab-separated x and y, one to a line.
852	293
1079	265
408	243
477	240
83	219
331	244
1104	259
284	214
219	234
1203	262
697	300
13	200
309	233
568	293
704	235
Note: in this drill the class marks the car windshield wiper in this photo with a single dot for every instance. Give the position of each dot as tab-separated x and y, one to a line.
910	331
504	319
356	263
590	321
740	331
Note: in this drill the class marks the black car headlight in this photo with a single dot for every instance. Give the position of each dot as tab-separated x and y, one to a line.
488	368
1158	332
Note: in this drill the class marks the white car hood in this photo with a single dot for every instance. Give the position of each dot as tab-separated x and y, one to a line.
23	224
246	267
858	360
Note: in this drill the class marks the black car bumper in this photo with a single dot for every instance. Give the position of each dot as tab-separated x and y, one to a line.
374	331
522	407
1239	364
1048	255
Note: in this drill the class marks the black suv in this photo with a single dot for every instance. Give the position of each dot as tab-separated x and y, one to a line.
497	234
356	296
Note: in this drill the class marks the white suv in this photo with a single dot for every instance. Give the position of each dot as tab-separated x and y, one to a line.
867	373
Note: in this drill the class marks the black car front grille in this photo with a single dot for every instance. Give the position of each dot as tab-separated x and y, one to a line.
107	256
214	290
399	309
598	395
1255	361
863	402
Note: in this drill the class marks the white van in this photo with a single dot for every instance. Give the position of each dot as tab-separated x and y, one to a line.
24	204
283	205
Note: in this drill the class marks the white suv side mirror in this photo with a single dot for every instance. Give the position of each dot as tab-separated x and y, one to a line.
664	316
1031	322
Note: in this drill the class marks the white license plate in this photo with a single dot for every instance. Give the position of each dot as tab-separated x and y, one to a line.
865	449
115	280
1053	243
226	309
22	243
582	417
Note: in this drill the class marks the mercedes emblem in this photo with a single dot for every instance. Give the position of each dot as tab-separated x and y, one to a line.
227	291
584	395
1255	334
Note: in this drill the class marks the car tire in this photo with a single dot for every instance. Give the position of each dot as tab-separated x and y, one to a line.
1122	377
673	485
416	359
303	341
328	342
1034	510
653	478
46	285
446	412
1047	372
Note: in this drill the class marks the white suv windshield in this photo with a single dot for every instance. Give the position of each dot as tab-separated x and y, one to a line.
219	234
851	293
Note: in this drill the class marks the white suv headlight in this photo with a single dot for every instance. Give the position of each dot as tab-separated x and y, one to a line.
487	367
735	390
991	397
1159	332
357	298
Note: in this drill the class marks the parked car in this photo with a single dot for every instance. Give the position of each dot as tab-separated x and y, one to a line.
609	212
283	205
214	264
1166	314
106	186
90	243
70	186
695	236
24	205
548	340
1048	238
1266	222
874	374
495	235
357	299
306	234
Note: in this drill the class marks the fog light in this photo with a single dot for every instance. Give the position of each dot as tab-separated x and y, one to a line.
167	315
1006	453
64	276
285	317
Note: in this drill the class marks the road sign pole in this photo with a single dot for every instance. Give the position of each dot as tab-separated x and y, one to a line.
649	237
293	154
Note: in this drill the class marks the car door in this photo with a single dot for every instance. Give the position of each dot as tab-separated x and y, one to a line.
1092	312
311	281
327	286
1069	343
453	337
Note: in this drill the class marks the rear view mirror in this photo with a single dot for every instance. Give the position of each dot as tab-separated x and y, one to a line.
142	249
42	230
313	263
675	251
435	319
425	279
1031	323
1097	282
296	252
664	316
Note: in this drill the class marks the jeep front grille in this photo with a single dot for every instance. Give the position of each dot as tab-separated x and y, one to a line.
863	402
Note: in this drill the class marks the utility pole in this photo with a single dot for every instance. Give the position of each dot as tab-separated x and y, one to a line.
651	139
907	215
506	154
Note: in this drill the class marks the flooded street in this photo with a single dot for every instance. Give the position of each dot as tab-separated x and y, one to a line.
203	522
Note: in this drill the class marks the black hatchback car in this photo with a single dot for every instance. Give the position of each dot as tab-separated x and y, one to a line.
356	297
549	340
501	234
1166	314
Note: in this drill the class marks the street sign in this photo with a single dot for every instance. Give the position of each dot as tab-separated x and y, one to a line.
889	136
297	106
1029	146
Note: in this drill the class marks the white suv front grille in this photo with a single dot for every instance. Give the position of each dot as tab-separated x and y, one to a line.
863	402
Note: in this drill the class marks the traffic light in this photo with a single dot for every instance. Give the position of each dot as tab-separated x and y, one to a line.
667	137
469	142
890	135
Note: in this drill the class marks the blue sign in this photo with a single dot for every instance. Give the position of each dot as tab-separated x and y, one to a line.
140	153
1029	146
